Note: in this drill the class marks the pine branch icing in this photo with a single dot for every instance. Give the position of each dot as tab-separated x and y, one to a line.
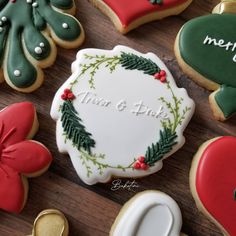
76	132
72	125
128	61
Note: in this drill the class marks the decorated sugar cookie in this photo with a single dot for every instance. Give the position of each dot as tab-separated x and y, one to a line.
213	182
148	213
119	114
206	50
20	157
127	14
50	222
29	30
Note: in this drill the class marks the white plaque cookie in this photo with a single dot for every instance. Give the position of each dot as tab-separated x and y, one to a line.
149	213
119	114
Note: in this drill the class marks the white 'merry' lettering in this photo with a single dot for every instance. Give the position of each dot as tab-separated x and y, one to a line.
221	43
141	109
88	97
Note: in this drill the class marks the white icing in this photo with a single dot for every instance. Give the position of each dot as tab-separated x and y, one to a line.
65	25
17	73
150	213
35	4
221	43
4	18
38	50
41	45
110	113
29	1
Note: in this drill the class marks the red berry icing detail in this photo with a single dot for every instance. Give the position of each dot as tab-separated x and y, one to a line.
67	95
141	159
163	73
63	97
137	166
163	79
157	76
70	96
144	166
67	91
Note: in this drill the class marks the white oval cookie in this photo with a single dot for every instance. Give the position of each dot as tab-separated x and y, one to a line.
119	114
149	213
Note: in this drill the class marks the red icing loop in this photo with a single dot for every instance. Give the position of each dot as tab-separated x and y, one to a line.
17	155
26	157
216	181
130	10
20	115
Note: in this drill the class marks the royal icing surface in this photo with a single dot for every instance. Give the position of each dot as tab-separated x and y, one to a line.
21	26
18	156
216	182
211	51
50	222
149	213
114	114
129	11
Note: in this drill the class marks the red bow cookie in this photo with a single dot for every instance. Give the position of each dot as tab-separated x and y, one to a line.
19	157
129	14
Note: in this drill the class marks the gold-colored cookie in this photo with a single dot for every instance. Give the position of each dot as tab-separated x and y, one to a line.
226	6
50	222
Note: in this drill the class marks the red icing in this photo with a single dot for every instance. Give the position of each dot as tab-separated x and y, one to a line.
130	10
17	155
216	181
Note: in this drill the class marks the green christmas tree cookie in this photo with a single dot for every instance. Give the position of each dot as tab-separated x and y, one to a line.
29	30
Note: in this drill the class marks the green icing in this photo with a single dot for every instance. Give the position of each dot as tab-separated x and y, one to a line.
225	99
74	129
214	59
156	1
56	19
23	24
213	62
131	61
16	60
62	4
157	151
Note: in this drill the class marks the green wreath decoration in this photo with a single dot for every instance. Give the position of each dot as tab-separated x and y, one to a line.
75	131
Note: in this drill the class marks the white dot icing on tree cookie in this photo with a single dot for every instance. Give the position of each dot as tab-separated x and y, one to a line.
149	213
35	4
4	19
119	114
38	50
65	26
17	73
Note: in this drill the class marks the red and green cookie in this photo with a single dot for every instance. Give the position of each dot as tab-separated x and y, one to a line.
128	14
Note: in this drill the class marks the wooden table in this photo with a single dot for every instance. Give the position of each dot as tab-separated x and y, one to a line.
91	210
